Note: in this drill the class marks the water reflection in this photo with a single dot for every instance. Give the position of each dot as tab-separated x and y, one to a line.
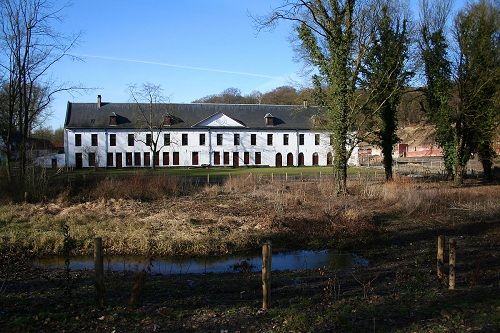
293	260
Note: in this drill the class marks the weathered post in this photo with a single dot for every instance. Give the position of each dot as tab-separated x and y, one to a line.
266	275
286	176
99	271
208	178
452	263
272	177
440	257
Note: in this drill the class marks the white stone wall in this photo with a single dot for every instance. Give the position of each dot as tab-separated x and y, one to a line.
205	152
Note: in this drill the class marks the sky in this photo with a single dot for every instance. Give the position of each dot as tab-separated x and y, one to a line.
192	48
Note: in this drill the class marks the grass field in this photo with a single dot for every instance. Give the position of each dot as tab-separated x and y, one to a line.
219	171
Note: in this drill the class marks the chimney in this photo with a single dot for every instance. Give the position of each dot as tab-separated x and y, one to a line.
305	104
99	103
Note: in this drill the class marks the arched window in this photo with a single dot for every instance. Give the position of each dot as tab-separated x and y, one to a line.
289	159
278	160
329	158
301	159
315	159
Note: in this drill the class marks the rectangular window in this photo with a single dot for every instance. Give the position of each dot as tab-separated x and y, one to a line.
176	158
166	158
112	140
194	158
226	158
91	159
184	139
285	139
219	139
236	139
137	159
166	139
128	159
78	140
94	140
316	139
202	139
130	140
253	139
269	139
147	159
109	160
301	139
246	158
148	139
258	158
216	158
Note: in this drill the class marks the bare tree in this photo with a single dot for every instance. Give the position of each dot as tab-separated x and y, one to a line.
334	38
148	98
30	48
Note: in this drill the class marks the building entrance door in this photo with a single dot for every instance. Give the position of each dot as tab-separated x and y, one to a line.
78	160
278	160
236	159
119	160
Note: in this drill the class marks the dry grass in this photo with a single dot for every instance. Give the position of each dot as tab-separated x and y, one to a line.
140	187
235	216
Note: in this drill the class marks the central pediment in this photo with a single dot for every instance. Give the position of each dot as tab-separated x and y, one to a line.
219	120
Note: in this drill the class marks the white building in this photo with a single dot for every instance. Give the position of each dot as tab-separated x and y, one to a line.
121	135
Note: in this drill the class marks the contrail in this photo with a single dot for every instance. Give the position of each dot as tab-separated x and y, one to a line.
175	66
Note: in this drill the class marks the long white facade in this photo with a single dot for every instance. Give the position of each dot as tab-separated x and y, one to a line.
217	140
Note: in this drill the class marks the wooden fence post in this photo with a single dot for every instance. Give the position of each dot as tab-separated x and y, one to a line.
266	275
99	271
286	176
452	263
208	178
440	257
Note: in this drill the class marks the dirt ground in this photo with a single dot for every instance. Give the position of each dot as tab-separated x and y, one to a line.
397	292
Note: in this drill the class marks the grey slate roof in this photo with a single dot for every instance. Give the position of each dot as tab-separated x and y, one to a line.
129	116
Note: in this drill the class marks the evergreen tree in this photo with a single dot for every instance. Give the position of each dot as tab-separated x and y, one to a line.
437	68
385	78
478	77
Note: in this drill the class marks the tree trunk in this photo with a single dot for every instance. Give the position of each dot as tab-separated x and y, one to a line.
7	168
460	174
340	167
487	169
388	167
387	152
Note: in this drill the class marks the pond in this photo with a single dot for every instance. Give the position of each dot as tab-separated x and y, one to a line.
291	260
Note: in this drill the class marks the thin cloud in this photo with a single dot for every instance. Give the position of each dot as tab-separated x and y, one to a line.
205	69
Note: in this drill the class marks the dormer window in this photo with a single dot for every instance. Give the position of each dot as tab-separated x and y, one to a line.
269	119
112	119
168	120
318	121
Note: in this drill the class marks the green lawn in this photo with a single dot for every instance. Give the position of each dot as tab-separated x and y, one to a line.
219	171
